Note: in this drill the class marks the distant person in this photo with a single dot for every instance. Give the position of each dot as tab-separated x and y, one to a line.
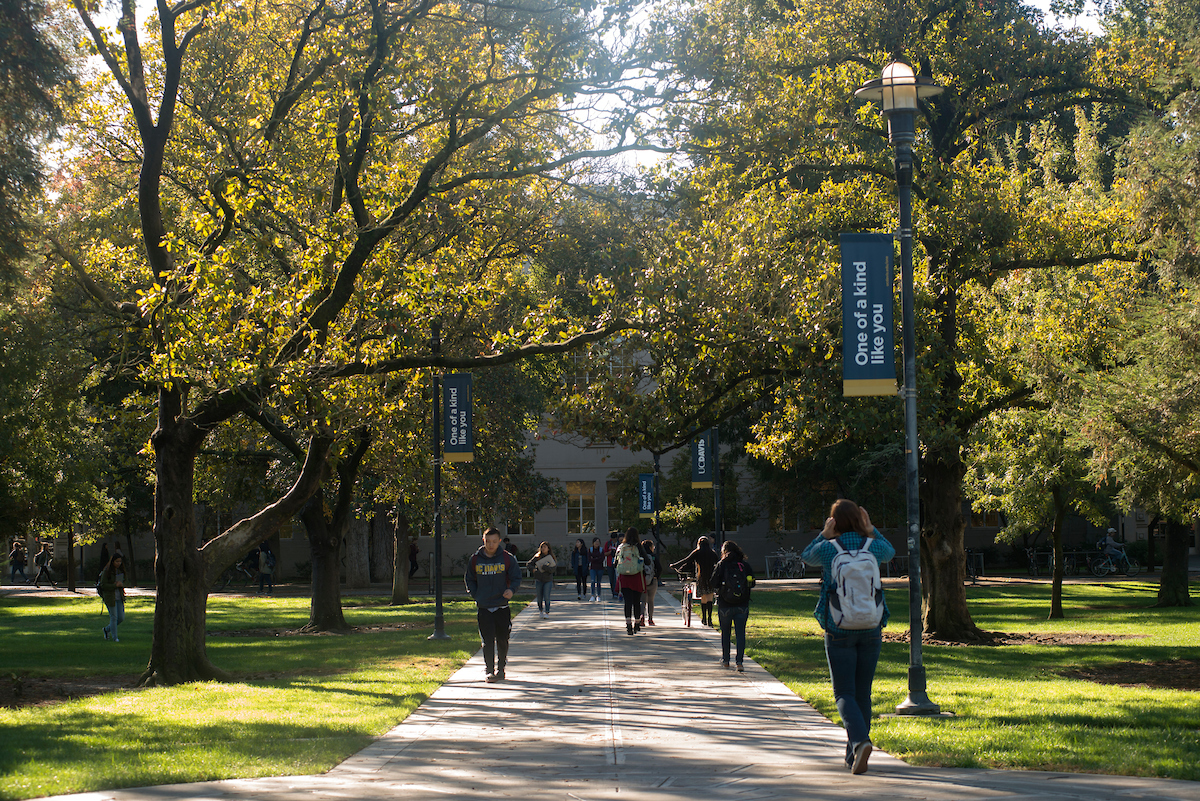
43	561
266	568
493	577
414	551
112	592
541	567
610	561
732	579
1114	548
579	568
631	581
17	562
700	562
508	546
651	552
596	567
852	611
104	554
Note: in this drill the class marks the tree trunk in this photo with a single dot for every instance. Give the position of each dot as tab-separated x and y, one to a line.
403	532
129	559
358	550
71	559
1173	586
382	546
177	652
325	610
943	555
1056	535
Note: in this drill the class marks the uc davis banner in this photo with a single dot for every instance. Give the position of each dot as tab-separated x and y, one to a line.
459	436
645	495
868	355
704	459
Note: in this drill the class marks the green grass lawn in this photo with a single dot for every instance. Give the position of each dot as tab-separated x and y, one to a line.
302	704
1014	706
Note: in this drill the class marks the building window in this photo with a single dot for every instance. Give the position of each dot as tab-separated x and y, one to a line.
581	507
473	521
986	518
523	528
621	514
589	366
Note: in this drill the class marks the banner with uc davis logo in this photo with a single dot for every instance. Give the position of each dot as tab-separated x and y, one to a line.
459	436
868	349
704	459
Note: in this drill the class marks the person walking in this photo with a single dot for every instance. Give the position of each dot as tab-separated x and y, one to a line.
112	592
631	580
541	567
732	579
651	553
266	568
852	611
493	577
701	562
414	551
610	561
596	568
17	562
43	560
579	567
104	554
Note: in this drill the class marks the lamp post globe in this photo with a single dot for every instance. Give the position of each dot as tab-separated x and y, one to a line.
898	91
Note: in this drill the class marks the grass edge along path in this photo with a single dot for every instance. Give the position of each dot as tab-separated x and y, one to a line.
302	704
1017	706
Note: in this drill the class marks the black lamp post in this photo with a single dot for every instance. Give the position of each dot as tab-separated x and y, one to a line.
898	92
439	620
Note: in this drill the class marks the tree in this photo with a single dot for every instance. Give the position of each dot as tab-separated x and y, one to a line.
32	69
770	123
294	167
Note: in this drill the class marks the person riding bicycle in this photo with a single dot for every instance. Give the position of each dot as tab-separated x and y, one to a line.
1114	549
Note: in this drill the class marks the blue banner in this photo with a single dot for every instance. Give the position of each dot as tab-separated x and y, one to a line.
868	349
645	495
704	459
457	432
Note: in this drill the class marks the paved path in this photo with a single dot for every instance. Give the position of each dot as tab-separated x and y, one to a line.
588	712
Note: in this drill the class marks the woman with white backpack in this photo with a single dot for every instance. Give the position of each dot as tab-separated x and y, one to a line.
852	611
631	579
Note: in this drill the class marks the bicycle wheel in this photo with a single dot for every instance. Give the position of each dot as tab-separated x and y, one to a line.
1069	566
687	606
1099	567
1033	568
1132	568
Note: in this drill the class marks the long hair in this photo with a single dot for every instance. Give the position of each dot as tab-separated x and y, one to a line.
545	545
631	536
580	546
846	515
704	544
110	570
731	549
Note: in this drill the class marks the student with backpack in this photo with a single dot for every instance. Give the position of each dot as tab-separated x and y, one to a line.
852	611
631	579
732	579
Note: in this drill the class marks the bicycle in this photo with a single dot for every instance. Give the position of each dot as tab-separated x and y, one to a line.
1031	554
686	595
1105	563
972	572
788	564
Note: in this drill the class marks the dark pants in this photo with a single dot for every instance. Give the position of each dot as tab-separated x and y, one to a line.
612	581
581	581
852	658
633	603
412	568
43	572
493	630
264	581
733	622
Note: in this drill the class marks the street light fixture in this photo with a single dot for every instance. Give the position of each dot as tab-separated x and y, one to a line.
898	92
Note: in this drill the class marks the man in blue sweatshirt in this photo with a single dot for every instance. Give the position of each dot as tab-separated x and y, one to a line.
493	576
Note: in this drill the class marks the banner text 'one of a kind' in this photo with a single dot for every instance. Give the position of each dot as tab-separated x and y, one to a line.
704	459
459	436
868	351
645	495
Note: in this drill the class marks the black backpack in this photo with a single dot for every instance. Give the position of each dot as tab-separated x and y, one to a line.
735	583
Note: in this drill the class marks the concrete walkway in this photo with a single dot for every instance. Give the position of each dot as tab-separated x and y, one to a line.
588	712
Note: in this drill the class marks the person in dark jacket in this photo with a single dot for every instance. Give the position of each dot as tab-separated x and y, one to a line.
43	561
701	562
580	564
732	579
651	552
493	577
596	567
16	561
112	591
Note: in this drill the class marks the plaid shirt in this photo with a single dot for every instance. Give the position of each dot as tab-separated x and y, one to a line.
820	553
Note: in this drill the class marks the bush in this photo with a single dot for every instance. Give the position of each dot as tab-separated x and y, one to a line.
304	571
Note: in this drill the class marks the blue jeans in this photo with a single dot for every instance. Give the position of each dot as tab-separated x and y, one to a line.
116	616
543	594
852	658
597	581
733	617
